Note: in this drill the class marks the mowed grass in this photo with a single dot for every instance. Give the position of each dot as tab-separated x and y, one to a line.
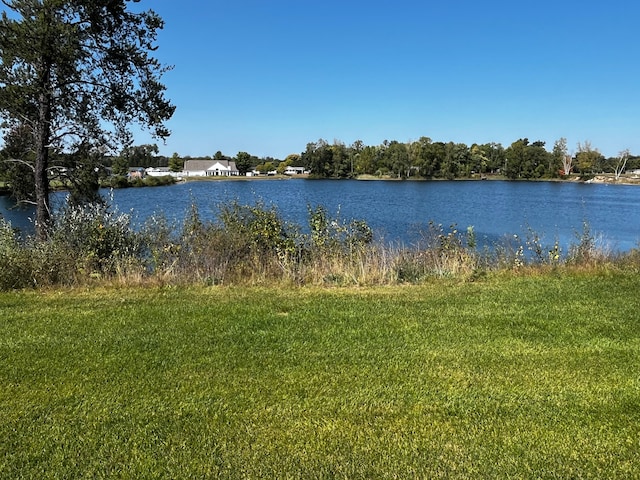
521	377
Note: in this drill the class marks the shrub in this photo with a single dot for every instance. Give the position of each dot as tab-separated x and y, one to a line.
262	228
161	247
14	260
118	181
253	244
101	240
335	236
587	250
439	253
153	181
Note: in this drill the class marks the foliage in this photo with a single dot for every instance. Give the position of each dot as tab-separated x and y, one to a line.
526	160
138	156
120	181
152	181
100	239
261	227
427	159
333	235
253	244
245	162
440	254
176	164
76	75
588	159
588	250
16	159
560	157
14	260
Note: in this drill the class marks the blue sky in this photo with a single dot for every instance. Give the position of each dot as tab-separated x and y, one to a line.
267	77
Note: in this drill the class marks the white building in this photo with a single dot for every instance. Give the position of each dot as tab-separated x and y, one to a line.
294	170
162	172
210	168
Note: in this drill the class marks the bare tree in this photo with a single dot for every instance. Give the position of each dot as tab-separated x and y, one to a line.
621	164
567	161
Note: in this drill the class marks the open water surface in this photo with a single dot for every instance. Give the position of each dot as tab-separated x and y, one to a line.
399	210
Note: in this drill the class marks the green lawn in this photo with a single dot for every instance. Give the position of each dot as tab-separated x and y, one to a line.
520	377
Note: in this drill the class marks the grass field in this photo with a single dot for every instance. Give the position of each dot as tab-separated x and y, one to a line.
509	377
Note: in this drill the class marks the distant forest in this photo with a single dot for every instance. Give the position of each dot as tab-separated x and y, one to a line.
427	159
423	158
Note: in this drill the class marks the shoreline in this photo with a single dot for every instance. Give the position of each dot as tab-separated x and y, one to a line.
607	179
602	179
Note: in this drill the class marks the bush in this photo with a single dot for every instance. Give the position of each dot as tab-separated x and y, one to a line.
334	236
586	250
101	240
439	253
262	229
118	181
14	260
253	244
158	181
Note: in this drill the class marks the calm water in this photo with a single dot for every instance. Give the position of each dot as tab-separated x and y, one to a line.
397	211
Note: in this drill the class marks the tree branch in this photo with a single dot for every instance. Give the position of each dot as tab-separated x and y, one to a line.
17	160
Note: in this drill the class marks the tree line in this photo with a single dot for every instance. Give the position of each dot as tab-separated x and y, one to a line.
425	158
428	159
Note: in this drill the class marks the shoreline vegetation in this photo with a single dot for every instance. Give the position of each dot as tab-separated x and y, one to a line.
253	245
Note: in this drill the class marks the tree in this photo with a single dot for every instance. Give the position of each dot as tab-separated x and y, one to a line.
318	158
454	157
15	163
77	74
140	155
340	164
176	164
397	159
430	156
479	160
81	173
621	163
537	161
495	156
120	165
587	158
515	158
266	167
243	162
364	160
560	156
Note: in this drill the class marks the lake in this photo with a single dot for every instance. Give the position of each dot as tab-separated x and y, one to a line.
399	210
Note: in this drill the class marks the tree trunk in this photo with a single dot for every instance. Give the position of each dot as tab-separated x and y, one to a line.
43	134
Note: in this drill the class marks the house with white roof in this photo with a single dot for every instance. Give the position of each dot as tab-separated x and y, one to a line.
210	168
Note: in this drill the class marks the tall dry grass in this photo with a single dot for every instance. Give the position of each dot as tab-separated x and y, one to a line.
254	245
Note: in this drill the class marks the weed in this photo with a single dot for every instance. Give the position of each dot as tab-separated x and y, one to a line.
253	244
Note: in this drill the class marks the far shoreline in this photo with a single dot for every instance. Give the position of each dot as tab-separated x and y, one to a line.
601	179
608	179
